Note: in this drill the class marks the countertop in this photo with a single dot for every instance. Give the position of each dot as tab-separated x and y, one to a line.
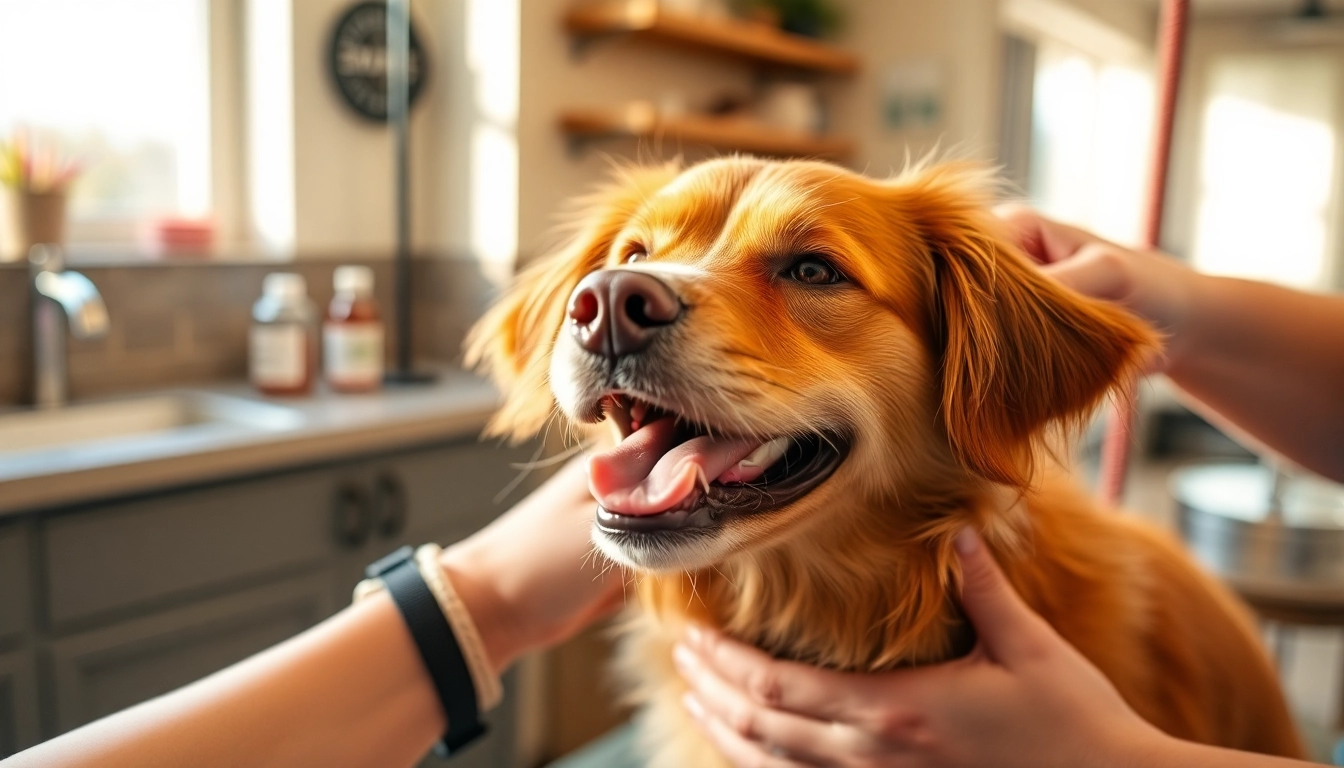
323	426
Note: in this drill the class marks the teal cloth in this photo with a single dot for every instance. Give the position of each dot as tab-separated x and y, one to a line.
614	750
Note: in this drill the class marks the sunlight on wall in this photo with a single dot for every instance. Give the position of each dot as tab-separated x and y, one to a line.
1267	168
125	89
270	117
1090	140
493	33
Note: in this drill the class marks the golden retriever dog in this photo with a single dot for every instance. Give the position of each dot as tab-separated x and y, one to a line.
812	381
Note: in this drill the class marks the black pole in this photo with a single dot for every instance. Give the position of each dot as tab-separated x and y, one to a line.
398	119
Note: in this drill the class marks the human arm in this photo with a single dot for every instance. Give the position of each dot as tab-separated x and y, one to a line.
352	691
1263	361
1023	697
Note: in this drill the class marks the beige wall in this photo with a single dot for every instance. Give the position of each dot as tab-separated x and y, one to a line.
343	180
961	38
961	35
343	176
609	72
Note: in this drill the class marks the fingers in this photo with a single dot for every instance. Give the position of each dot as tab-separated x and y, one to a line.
1045	240
1008	629
738	750
711	698
1098	270
772	683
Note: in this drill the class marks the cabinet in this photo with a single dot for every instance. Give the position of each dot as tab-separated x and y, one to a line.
142	595
15	608
105	670
18	702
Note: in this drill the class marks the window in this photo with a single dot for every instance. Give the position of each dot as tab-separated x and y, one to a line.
124	87
1078	114
1267	166
1090	135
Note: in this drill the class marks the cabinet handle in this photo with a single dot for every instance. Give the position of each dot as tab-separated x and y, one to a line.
391	509
352	519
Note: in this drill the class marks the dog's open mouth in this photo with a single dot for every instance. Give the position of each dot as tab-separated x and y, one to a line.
671	473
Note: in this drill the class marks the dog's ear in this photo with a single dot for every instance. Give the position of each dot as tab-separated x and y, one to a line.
1018	350
512	341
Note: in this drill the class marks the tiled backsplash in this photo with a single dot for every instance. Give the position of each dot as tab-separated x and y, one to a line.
176	323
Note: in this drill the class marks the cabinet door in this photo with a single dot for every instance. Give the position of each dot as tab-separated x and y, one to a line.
442	494
105	562
106	670
18	703
15	611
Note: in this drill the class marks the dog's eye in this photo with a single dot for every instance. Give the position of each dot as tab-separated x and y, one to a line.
635	256
814	270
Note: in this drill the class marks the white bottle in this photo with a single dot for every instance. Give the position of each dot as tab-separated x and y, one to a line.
281	344
352	336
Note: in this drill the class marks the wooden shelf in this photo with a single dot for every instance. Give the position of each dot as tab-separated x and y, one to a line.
641	121
751	40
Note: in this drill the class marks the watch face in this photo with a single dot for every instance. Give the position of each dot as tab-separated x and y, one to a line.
359	60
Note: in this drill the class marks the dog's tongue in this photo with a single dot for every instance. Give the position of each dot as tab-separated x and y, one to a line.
649	473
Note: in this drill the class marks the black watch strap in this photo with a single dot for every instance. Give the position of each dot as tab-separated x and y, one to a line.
438	647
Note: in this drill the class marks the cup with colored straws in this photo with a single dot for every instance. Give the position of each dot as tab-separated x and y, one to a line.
35	178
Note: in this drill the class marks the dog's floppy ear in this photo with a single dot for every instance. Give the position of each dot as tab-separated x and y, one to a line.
1018	349
512	341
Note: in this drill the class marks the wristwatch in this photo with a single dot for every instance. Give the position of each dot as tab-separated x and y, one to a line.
438	647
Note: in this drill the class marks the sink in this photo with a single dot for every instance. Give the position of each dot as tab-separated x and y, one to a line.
105	423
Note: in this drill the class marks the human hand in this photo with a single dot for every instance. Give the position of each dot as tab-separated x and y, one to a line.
1023	697
527	578
1151	284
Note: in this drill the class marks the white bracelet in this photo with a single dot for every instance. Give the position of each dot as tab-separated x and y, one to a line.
489	692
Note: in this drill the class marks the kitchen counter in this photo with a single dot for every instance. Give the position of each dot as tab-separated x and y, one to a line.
312	429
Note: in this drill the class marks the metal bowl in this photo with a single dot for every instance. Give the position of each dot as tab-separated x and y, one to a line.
1281	542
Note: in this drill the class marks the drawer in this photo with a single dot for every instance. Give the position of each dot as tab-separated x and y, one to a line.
453	491
109	558
14	588
106	670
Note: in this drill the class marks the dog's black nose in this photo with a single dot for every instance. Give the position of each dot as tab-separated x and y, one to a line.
615	312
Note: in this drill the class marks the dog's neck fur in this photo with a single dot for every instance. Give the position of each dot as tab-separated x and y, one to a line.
869	588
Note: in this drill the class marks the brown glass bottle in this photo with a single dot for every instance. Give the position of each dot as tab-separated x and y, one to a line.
280	344
352	336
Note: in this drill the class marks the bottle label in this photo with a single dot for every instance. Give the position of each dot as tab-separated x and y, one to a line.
353	353
278	356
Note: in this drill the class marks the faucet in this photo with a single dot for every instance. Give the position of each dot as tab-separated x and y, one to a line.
57	292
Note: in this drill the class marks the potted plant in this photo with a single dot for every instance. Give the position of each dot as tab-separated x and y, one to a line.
810	18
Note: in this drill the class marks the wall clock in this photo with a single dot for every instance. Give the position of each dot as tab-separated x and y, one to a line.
358	60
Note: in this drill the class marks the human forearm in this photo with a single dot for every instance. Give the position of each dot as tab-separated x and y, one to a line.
1267	362
353	690
1166	752
348	692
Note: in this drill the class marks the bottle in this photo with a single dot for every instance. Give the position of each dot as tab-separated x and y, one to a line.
281	346
352	337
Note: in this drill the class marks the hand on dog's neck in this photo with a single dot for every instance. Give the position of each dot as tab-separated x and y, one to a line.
867	594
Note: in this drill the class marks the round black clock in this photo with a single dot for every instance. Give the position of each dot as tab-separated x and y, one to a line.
358	60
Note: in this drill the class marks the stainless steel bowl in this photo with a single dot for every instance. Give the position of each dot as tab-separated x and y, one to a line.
1282	543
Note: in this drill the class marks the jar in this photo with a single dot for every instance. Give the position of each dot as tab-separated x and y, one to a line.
352	336
281	344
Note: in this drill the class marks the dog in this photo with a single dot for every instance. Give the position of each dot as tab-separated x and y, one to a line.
813	380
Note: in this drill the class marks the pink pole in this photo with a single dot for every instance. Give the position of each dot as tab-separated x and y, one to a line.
1119	438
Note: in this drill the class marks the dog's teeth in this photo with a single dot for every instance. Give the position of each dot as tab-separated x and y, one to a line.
638	409
767	454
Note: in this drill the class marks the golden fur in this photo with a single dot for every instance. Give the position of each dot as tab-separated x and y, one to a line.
949	359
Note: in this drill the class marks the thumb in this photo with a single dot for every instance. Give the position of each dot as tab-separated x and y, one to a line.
1098	270
1007	628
